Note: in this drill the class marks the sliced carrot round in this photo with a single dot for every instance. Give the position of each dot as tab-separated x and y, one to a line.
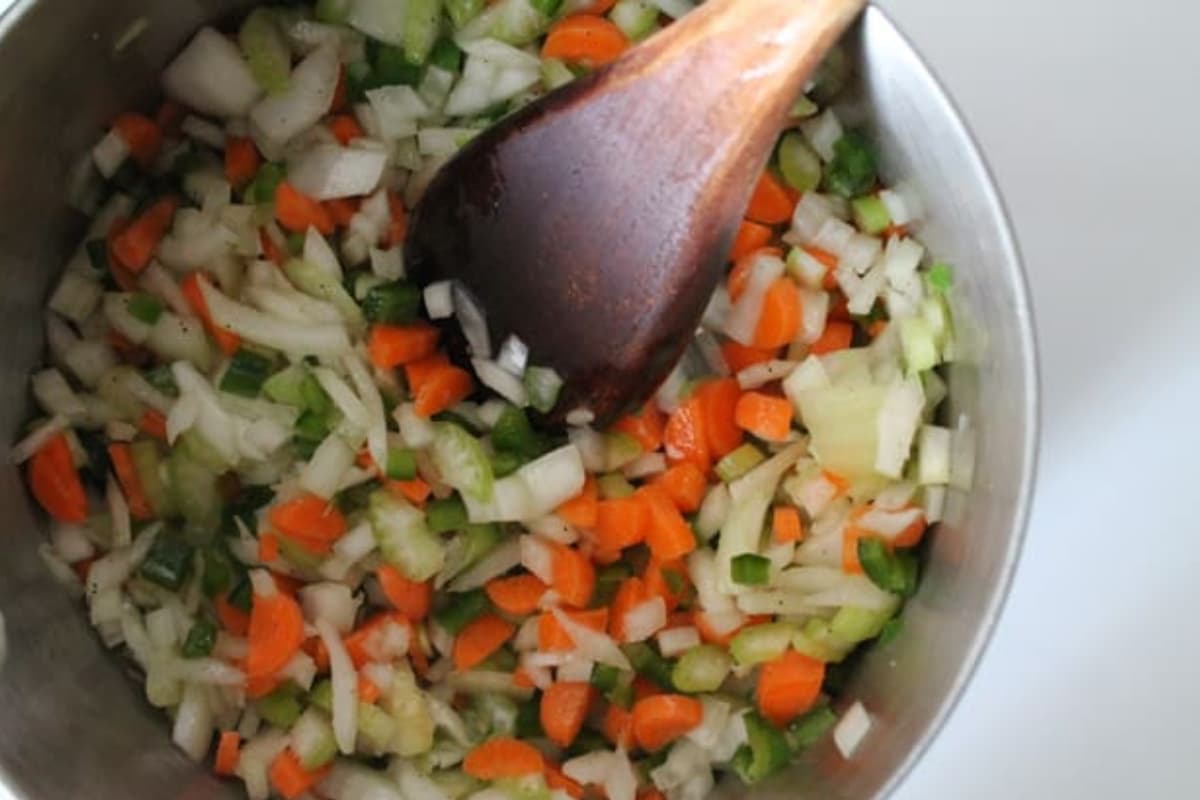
479	639
503	757
663	718
563	708
771	202
780	319
275	635
518	595
788	686
718	400
585	39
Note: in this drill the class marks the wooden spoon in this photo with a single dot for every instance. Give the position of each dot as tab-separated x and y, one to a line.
594	223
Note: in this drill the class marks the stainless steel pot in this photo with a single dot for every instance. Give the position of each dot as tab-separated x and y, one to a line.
73	726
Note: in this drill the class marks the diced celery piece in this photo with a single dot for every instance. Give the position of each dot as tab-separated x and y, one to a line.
193	490
543	383
266	51
803	108
918	343
701	669
620	449
614	486
815	640
286	386
940	277
314	281
514	22
375	728
799	165
737	463
760	643
421	28
461	461
404	540
321	696
810	728
463	11
870	214
635	18
854	624
281	707
148	463
312	739
554	74
405	703
332	11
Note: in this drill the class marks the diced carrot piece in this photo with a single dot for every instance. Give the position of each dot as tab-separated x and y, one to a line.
292	780
169	115
630	594
298	212
241	160
275	634
503	757
836	336
585	39
750	236
770	203
684	484
786	525
341	210
660	720
392	345
562	710
417	372
582	510
552	637
767	417
518	595
739	276
143	136
398	223
667	534
228	745
556	780
483	636
232	618
788	686
574	577
621	522
445	388
365	641
55	482
368	690
228	341
738	356
135	246
153	423
268	547
718	401
779	321
411	598
415	490
345	128
685	438
309	520
646	426
131	486
618	727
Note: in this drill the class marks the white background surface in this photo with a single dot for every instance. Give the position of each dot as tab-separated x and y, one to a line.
1087	112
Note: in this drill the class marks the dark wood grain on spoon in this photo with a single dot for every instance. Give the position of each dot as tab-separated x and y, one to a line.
595	222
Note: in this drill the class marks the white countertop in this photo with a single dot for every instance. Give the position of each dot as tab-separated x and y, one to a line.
1085	111
1087	115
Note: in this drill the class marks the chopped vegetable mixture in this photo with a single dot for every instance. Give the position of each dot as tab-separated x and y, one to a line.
344	567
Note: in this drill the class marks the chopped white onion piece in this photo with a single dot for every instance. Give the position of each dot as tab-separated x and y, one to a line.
278	118
645	619
756	375
439	302
676	641
851	729
210	76
472	320
598	647
513	356
333	602
501	381
110	153
743	319
329	171
345	687
823	132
